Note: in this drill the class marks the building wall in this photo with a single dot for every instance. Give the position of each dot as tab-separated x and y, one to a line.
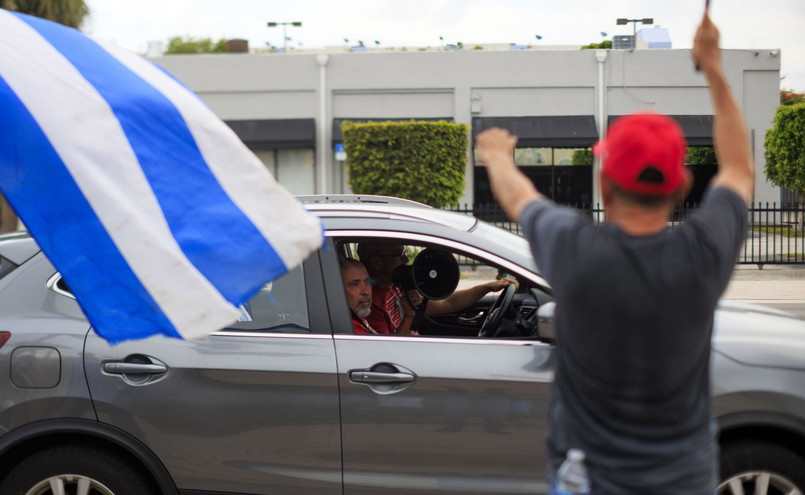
461	85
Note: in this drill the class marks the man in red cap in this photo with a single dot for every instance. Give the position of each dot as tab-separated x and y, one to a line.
635	301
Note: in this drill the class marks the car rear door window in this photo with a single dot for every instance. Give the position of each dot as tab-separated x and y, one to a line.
279	306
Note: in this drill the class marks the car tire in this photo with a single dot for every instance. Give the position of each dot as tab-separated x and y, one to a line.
71	467
754	466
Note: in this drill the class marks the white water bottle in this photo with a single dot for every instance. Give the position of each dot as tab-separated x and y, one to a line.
572	479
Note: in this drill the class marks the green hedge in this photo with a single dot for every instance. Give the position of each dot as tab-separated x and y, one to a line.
701	155
421	161
785	148
582	157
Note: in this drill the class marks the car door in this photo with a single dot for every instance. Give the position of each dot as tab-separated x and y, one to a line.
252	409
436	415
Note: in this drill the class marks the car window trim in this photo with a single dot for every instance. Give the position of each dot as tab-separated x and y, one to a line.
428	239
318	317
273	335
444	340
336	301
448	243
52	284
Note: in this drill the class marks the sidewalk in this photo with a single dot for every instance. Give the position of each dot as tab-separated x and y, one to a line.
772	283
781	283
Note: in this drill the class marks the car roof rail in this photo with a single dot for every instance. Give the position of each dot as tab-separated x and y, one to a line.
358	198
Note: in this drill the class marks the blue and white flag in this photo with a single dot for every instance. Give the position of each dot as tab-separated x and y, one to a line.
159	219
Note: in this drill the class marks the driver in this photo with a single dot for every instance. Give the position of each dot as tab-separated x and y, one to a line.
391	311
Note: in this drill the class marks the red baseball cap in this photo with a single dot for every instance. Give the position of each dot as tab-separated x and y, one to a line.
644	153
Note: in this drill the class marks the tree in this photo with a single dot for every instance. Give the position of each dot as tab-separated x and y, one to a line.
582	157
604	45
701	155
785	148
421	161
178	44
68	12
791	98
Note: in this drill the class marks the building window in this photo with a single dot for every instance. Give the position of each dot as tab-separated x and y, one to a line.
564	175
532	156
293	168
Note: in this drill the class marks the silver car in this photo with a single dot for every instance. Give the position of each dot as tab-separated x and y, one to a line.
293	402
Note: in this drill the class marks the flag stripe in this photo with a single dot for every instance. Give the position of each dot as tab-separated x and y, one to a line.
241	174
225	258
81	126
47	176
159	218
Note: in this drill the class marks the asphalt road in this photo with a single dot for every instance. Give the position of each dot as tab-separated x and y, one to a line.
795	307
777	286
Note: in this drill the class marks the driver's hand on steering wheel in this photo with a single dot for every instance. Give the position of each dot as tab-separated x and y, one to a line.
496	285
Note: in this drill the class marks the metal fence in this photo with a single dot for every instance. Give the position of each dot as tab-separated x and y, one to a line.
776	234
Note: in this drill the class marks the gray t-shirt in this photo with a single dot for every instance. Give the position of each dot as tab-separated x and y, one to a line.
633	324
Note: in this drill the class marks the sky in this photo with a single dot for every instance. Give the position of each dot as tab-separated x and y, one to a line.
744	24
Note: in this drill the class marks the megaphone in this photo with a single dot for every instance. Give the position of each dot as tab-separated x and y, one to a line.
434	274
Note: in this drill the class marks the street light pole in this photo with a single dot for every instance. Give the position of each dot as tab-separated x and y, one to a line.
284	31
645	20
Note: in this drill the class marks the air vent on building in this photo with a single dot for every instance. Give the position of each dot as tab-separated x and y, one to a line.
623	42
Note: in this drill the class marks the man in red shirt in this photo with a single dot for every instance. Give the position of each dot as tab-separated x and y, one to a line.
359	294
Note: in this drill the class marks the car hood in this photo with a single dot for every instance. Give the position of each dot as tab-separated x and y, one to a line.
759	336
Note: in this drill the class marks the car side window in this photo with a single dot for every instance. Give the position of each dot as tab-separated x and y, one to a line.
279	306
482	310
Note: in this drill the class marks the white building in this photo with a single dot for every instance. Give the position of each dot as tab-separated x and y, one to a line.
288	107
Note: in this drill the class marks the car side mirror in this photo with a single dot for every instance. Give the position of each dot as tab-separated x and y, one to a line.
545	325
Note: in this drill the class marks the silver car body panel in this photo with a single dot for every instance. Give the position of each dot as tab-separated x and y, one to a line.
232	413
782	337
472	420
42	324
18	247
334	412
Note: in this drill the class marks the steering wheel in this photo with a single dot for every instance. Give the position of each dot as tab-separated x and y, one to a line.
498	309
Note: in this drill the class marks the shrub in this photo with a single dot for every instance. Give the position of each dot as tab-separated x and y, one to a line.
421	161
582	157
785	148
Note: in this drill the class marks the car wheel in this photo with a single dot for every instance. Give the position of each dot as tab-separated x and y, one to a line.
74	470
758	467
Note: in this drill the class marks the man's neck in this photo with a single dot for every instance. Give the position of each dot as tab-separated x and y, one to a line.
636	220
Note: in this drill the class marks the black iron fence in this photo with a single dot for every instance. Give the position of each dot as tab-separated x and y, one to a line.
776	234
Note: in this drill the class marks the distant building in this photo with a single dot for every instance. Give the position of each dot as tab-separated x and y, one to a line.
654	38
288	108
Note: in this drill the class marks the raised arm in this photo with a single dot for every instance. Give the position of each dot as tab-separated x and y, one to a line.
731	139
511	188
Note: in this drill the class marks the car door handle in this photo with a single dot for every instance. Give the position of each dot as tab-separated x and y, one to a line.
365	376
472	320
123	368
